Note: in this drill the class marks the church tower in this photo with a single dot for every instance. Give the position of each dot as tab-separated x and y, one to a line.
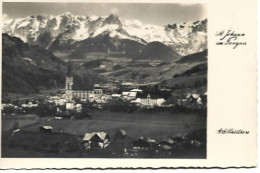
69	84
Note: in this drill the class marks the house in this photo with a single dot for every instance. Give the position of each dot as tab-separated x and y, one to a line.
136	90
70	105
96	140
60	102
46	129
103	99
29	104
57	100
125	94
194	100
131	95
98	92
168	142
116	96
141	144
77	107
6	105
144	143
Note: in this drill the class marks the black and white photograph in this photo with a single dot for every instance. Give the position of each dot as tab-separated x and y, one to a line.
104	80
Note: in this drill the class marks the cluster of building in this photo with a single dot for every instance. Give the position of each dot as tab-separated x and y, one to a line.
97	96
20	107
72	98
193	100
101	140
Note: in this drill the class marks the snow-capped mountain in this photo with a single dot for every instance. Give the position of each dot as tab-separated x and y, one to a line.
184	38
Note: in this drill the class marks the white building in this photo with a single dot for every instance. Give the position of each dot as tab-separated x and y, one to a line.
72	106
116	95
131	95
6	105
149	102
57	100
30	104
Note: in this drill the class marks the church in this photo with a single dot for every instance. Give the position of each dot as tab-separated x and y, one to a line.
72	94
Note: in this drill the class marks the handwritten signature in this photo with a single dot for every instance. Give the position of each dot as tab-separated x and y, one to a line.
232	131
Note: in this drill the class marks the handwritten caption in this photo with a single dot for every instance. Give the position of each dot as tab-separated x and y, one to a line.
230	38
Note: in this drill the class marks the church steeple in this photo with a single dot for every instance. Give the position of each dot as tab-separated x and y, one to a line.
69	83
69	72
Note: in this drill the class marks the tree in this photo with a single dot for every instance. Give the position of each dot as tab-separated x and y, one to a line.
118	105
171	100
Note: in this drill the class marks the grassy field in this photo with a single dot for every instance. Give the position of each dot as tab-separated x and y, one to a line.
9	121
155	125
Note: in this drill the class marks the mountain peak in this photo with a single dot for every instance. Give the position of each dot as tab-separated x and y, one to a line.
112	19
113	16
67	28
66	14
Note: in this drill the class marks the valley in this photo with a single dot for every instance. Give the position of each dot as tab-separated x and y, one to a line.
103	86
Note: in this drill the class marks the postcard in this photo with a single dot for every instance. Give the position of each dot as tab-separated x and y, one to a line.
128	84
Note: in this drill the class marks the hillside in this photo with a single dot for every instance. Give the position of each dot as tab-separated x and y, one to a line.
158	51
194	77
196	57
29	69
101	44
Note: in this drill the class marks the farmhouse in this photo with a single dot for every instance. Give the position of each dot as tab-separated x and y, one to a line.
46	129
95	140
193	100
141	144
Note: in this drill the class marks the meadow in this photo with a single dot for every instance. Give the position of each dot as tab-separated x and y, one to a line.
154	125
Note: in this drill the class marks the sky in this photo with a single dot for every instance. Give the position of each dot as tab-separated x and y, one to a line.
157	14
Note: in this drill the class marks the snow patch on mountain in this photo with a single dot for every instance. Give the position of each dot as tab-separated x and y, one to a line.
185	38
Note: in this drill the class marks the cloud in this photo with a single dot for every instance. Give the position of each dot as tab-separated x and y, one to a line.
5	17
114	11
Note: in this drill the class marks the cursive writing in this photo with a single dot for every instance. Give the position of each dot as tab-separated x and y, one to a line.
230	37
232	131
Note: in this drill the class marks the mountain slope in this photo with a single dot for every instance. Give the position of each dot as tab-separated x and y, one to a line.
158	51
193	77
101	44
28	69
196	57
